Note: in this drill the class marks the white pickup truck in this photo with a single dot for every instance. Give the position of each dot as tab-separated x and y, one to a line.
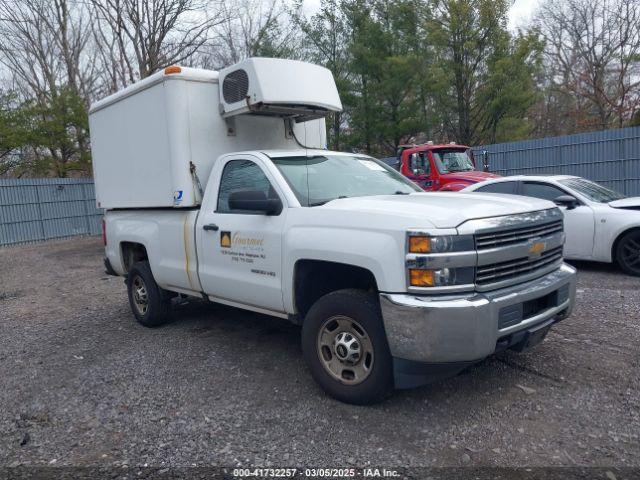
393	287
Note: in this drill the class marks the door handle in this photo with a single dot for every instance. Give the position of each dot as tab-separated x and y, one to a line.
210	226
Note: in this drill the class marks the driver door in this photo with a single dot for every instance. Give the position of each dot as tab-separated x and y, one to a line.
240	252
579	222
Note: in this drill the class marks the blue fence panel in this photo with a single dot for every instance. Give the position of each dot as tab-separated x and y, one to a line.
609	157
37	209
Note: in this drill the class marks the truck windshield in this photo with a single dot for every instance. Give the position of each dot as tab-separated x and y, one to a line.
320	179
591	190
450	161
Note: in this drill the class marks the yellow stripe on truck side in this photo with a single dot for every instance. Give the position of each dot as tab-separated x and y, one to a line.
185	238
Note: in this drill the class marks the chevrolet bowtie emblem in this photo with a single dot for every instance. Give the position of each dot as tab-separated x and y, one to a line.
537	248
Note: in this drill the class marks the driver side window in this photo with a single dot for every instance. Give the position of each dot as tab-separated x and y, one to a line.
241	175
419	164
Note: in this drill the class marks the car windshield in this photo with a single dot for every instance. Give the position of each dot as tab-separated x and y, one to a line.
319	179
450	161
591	190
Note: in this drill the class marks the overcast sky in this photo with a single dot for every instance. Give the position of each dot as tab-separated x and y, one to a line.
519	13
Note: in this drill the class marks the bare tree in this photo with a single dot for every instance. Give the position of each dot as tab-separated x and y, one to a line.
251	28
144	36
593	59
45	49
44	45
116	67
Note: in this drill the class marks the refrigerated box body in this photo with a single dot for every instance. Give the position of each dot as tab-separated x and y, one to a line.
154	140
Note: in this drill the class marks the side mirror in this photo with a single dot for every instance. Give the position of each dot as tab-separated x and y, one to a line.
254	201
567	201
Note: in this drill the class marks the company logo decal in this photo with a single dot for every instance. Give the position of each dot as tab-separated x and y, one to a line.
177	197
243	249
225	239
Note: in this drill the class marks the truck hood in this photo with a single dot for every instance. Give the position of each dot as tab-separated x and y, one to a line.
631	203
442	209
472	177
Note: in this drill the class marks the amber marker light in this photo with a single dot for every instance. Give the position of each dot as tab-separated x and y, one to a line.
419	244
421	278
172	69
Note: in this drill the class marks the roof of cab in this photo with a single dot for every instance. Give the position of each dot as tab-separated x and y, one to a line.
307	153
408	150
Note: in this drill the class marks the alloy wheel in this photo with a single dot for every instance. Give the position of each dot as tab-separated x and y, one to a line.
630	254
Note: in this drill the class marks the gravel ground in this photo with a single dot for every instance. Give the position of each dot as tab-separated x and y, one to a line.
83	384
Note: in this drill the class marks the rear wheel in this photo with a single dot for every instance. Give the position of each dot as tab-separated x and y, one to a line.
345	346
149	303
628	253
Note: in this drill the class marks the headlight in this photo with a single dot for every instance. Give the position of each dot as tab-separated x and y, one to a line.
419	243
446	261
441	277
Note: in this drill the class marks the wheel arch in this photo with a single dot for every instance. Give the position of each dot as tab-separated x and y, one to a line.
616	242
132	252
315	278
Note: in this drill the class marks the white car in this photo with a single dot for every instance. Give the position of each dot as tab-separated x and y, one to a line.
601	225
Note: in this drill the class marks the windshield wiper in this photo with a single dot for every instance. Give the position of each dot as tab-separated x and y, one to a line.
398	192
322	202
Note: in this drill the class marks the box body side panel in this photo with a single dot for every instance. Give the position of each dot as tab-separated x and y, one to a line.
131	155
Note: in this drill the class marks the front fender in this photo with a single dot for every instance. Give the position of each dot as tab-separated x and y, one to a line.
376	251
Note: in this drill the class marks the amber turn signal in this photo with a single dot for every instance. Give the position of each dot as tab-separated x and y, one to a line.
421	278
419	244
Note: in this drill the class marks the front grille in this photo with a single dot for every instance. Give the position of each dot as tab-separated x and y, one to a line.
485	241
519	267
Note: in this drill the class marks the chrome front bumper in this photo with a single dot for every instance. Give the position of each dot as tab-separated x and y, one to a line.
466	328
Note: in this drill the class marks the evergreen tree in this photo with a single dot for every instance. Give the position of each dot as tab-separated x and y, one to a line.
482	75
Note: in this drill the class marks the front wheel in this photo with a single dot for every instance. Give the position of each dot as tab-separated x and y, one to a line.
628	253
345	347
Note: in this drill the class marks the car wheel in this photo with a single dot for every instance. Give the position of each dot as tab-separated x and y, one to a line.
149	303
345	347
628	253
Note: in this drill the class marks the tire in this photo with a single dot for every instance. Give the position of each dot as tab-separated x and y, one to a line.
348	323
149	303
628	253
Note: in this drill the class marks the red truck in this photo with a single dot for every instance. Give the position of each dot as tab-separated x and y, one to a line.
445	167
